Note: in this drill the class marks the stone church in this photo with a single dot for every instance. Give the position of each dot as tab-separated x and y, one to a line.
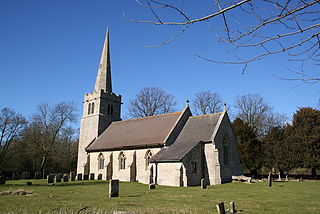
175	149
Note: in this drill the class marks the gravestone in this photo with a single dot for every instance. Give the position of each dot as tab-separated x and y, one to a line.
220	208
152	186
113	188
301	179
279	176
15	176
92	176
2	179
58	178
72	176
269	180
79	177
203	184
65	178
50	179
29	183
85	177
232	207
287	178
100	177
37	175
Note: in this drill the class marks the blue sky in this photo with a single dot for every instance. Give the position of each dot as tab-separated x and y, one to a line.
50	51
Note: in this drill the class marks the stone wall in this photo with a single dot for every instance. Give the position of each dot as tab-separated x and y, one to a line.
135	165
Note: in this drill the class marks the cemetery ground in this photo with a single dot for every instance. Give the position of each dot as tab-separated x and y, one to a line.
92	197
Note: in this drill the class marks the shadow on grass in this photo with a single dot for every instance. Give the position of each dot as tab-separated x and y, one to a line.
62	184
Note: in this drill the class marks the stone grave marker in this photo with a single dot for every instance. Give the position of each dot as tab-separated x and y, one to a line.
269	180
65	178
2	179
232	207
50	179
203	184
72	176
58	178
79	177
152	186
85	177
113	188
220	208
100	177
92	176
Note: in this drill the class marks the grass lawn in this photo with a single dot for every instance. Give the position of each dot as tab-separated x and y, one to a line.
282	197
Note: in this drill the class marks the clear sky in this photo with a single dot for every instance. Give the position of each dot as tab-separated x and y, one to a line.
50	51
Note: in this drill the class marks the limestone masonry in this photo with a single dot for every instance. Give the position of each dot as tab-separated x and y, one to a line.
175	149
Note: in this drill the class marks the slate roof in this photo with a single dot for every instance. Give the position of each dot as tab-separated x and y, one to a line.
197	129
135	133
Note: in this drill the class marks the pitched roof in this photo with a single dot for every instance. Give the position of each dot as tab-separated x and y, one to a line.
197	129
133	133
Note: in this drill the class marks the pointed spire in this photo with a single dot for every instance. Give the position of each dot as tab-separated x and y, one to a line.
103	81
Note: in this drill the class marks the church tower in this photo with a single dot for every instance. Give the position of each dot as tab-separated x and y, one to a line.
100	108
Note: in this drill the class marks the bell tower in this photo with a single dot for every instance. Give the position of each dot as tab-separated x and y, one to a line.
100	108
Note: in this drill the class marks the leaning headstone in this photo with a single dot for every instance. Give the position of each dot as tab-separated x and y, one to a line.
220	208
269	180
92	176
85	177
79	177
65	178
287	178
29	183
50	179
58	178
113	188
203	184
232	207
15	176
2	179
37	175
72	176
301	179
100	177
152	186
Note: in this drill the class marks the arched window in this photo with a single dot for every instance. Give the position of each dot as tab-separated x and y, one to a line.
89	108
148	156
225	152
92	108
100	161
122	161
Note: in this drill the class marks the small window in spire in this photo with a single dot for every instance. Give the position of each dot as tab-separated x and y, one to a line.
92	108
89	108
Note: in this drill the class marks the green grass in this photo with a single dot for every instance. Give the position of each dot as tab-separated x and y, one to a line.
282	197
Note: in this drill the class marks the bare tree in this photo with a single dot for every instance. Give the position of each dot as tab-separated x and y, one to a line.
49	125
267	27
207	102
254	111
11	124
151	101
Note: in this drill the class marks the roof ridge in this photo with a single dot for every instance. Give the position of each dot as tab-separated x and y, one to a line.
204	115
149	117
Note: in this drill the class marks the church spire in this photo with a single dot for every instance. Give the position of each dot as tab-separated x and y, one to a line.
103	81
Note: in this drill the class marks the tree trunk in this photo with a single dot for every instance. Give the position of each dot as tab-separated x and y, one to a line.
281	172
43	162
314	172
